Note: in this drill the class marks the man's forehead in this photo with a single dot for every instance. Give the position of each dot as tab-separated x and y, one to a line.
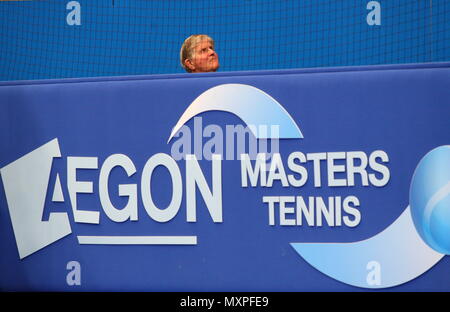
204	42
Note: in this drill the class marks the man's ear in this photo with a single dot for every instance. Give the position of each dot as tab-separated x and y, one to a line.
188	63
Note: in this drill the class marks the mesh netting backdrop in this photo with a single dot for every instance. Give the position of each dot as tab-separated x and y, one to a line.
134	37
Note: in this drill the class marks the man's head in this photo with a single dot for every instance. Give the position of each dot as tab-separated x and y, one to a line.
197	54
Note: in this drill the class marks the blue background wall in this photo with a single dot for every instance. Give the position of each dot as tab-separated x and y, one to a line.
134	37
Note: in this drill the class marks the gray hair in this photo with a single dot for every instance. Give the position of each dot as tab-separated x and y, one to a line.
188	48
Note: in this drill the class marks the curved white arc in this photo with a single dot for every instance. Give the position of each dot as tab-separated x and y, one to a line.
250	104
393	257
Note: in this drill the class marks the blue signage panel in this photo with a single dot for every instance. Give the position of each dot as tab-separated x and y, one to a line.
298	180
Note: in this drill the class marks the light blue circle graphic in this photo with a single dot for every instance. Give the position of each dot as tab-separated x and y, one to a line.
430	199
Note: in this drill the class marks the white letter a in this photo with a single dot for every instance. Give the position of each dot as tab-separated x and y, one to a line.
374	276
74	16
374	16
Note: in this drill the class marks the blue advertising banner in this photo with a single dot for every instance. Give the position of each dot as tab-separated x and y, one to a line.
331	179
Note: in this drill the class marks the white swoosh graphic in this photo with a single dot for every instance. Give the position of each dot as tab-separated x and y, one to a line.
401	253
253	106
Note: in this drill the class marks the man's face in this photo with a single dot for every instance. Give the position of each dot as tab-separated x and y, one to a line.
205	59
